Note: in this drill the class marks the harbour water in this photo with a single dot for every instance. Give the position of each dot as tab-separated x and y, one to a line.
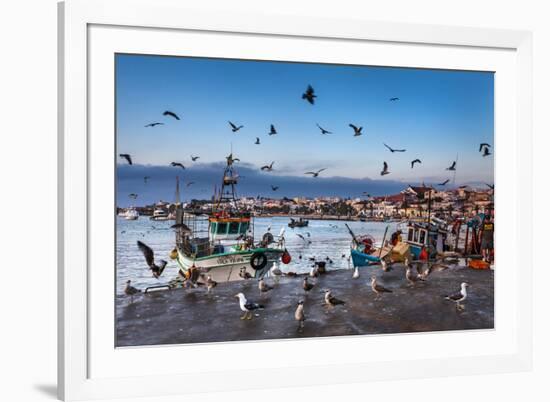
323	238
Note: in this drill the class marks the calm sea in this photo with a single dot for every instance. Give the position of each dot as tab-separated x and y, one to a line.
324	239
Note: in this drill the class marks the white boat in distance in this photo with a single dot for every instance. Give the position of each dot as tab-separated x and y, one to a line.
131	214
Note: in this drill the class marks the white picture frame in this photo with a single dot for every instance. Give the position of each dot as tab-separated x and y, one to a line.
80	377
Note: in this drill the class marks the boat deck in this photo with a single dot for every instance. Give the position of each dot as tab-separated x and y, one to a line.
192	315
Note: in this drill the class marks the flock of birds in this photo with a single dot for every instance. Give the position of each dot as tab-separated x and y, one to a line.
310	96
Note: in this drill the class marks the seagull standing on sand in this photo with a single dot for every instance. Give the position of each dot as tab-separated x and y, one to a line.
332	301
300	316
385	266
243	273
314	272
276	272
210	283
355	273
247	306
460	296
377	288
150	259
411	277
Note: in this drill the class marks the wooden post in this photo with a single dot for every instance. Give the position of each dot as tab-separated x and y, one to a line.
383	241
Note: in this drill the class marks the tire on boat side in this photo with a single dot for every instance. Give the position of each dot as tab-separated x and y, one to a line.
258	261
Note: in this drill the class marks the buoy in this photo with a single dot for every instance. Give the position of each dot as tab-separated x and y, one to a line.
286	258
423	254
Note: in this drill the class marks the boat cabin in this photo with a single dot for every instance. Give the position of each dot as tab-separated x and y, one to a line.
420	235
229	228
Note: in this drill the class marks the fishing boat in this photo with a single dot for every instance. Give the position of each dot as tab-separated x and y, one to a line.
426	236
300	223
159	215
222	243
131	214
363	251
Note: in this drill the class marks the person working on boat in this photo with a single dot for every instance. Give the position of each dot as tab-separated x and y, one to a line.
395	238
487	239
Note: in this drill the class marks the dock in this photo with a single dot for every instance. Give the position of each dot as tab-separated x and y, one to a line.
182	316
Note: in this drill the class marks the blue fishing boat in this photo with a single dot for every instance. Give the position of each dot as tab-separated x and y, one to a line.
362	250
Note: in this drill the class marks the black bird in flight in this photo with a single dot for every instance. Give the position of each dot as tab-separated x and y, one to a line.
486	152
171	114
133	195
356	130
194	158
415	161
268	168
445	182
190	183
483	145
234	127
150	259
323	131
385	170
127	157
274	188
492	187
174	164
230	159
146	179
154	124
452	167
394	150
315	174
257	141
272	130
394	99
309	95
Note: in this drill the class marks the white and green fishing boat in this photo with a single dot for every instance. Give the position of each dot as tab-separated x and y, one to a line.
222	243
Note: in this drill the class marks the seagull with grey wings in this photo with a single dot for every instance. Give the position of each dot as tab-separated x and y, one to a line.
316	174
332	301
177	164
247	306
415	161
154	124
150	260
129	290
356	130
309	95
460	296
299	315
377	288
234	127
194	158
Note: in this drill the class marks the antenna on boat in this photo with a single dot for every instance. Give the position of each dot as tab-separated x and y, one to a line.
178	190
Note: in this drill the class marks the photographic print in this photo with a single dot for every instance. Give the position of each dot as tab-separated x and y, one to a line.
262	200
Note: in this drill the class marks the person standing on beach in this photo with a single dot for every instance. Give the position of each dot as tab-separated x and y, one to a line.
487	239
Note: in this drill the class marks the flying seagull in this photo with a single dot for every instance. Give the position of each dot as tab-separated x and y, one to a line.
445	182
230	159
190	183
274	188
452	167
309	95
194	158
415	161
247	306
299	315
486	152
492	187
268	168
356	130
330	300
377	288
174	164
315	174
257	141
154	124
127	157
483	145
385	170
323	131
150	260
272	130
394	99
459	297
392	149
133	195
146	178
171	114
234	127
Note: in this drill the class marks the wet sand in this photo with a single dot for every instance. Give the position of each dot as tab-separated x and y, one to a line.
191	315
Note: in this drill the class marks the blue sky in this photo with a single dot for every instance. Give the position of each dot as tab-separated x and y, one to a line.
440	114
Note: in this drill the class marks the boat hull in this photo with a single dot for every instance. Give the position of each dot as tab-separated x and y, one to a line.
226	267
361	259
